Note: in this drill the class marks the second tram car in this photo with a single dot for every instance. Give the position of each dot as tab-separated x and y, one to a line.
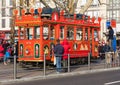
37	35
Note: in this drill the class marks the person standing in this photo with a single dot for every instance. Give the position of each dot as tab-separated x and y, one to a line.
58	51
108	56
110	37
1	52
65	55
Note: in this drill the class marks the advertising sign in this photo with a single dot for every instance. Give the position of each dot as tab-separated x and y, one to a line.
107	24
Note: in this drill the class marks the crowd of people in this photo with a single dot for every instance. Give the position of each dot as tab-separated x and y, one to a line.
108	50
6	51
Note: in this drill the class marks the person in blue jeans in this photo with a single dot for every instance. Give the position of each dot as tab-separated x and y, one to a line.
58	51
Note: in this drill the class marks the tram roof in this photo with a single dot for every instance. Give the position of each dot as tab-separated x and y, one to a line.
35	18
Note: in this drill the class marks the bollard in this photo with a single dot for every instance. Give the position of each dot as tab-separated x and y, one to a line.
44	66
15	66
89	66
105	66
68	62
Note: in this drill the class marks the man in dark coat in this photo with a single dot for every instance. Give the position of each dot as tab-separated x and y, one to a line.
110	36
58	51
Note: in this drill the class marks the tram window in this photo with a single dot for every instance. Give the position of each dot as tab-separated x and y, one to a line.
21	33
52	33
86	34
70	33
45	32
37	32
29	33
79	34
96	35
62	32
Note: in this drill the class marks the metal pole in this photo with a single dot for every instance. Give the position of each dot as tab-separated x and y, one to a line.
68	62
88	61
112	9
13	39
44	65
15	65
105	60
27	1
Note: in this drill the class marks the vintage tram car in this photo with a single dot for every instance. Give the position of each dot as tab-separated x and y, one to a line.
37	35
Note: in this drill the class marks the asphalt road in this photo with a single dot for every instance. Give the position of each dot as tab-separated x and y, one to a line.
101	78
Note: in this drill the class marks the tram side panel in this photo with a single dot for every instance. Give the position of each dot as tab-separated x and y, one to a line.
79	49
29	50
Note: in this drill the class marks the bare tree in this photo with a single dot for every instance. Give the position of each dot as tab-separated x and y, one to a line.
70	5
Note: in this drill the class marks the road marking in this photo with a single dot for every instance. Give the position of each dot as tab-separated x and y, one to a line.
110	83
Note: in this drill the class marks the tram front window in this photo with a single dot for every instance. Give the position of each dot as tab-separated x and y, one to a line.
29	33
45	33
21	33
37	32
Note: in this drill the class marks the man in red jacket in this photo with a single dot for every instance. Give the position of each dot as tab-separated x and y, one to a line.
65	55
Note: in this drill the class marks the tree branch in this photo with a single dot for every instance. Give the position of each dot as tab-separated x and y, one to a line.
60	5
44	3
86	6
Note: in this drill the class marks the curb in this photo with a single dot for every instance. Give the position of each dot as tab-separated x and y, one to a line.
57	75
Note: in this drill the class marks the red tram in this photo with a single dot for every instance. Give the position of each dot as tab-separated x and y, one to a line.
37	35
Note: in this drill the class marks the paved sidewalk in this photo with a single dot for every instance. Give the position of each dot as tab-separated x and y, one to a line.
23	74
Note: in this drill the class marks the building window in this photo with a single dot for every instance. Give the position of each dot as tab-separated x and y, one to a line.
3	23
3	12
3	3
11	11
83	2
47	0
11	2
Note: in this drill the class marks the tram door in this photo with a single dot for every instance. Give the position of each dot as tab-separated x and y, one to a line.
94	43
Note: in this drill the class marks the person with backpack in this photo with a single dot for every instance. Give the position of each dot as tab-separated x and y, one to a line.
58	51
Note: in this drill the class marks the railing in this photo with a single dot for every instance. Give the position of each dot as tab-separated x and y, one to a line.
110	60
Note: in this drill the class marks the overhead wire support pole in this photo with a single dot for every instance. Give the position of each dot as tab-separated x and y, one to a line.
13	22
112	9
13	38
